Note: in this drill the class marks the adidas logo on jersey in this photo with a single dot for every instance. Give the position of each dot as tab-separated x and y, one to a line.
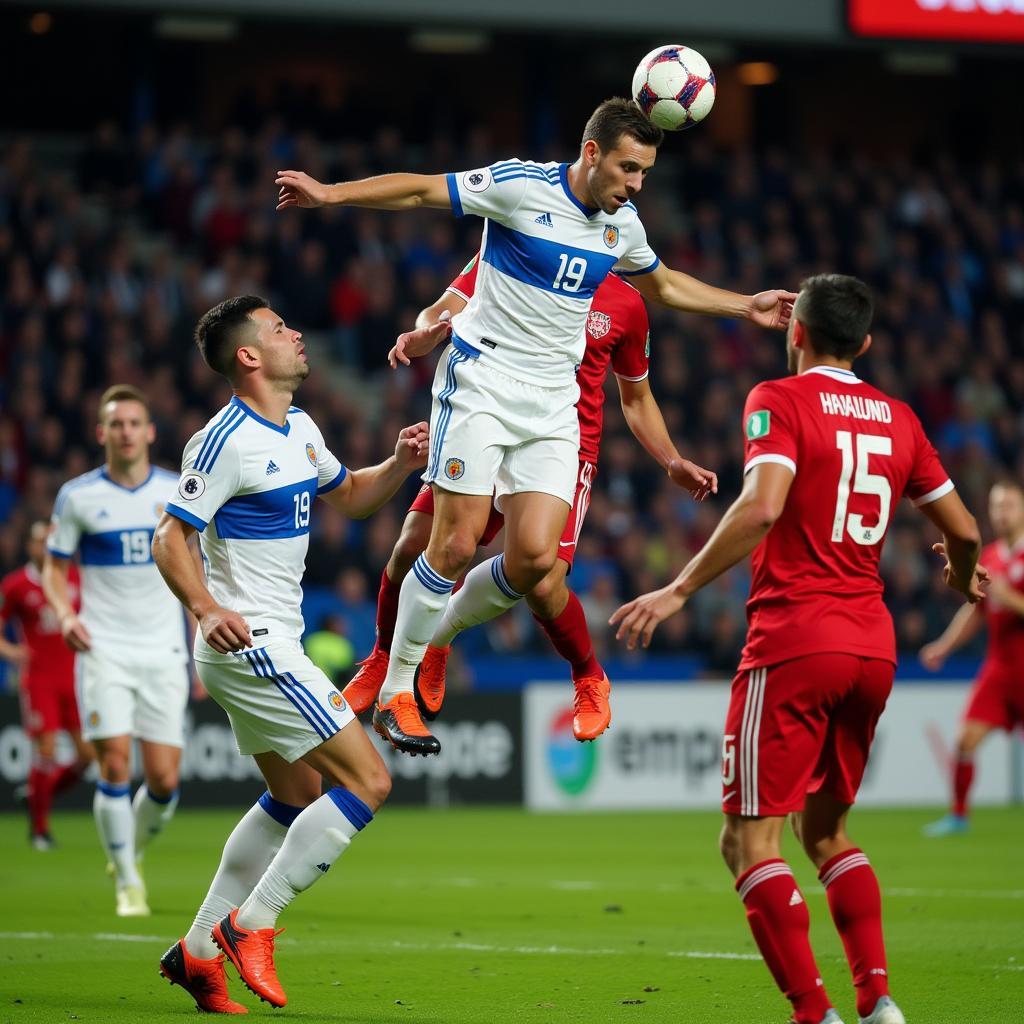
545	221
273	467
796	898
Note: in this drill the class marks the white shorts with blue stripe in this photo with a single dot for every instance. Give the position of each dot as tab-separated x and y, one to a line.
492	433
275	698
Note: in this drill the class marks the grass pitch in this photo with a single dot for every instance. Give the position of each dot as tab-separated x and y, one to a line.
451	916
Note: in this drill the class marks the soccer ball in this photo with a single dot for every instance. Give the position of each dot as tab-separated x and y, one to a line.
674	86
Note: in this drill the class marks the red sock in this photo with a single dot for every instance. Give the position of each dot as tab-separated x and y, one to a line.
387	611
778	917
856	905
41	777
569	634
68	775
963	778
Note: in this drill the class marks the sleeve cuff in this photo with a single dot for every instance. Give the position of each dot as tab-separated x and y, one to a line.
779	460
337	481
940	491
57	553
455	291
186	517
635	380
453	195
636	273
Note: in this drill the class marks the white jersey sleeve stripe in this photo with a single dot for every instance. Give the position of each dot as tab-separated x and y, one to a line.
215	447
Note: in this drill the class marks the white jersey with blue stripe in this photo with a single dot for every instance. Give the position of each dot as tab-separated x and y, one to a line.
131	615
248	486
543	256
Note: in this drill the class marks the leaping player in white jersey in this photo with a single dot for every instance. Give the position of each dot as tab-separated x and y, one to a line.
132	677
248	483
503	419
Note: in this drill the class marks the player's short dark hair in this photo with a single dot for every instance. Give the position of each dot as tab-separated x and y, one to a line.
836	312
218	331
617	117
121	393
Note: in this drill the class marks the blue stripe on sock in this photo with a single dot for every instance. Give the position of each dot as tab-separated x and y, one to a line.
160	799
113	788
283	814
351	806
433	574
498	575
430	579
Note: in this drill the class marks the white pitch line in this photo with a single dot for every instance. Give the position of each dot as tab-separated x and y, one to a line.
95	936
969	894
704	955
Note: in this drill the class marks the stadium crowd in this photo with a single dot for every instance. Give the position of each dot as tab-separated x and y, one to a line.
104	271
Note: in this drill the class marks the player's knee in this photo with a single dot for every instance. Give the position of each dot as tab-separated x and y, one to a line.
379	787
408	548
46	746
162	784
729	846
114	766
526	569
453	554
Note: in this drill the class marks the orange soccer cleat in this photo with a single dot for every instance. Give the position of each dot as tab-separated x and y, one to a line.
362	691
252	954
203	980
400	724
429	684
591	712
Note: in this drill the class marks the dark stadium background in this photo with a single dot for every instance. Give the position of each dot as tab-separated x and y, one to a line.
137	153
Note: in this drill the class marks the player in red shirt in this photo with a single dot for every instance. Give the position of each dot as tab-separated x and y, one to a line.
997	698
827	459
47	690
617	336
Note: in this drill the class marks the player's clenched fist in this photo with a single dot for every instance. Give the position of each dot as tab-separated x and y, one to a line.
225	631
413	446
638	619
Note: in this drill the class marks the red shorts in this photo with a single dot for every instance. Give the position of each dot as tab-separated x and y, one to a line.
48	707
424	502
997	697
799	727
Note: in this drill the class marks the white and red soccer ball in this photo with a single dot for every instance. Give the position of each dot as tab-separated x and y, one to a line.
674	86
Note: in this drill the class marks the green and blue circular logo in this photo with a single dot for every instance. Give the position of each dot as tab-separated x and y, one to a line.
572	763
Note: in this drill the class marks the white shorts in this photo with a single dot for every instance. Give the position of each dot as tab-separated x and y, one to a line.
491	433
118	699
276	699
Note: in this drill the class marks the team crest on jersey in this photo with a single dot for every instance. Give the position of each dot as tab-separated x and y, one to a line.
758	424
454	468
336	700
311	454
158	508
94	718
191	486
611	236
598	324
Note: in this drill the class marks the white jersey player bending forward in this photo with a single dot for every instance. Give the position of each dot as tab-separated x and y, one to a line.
503	420
248	483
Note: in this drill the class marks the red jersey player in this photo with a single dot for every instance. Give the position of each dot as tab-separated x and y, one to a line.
48	702
997	698
617	336
827	459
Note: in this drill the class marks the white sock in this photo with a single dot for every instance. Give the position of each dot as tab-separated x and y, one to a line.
250	848
115	822
421	602
316	840
484	596
151	815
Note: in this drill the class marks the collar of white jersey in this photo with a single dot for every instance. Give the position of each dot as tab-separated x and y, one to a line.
239	404
563	177
836	373
105	473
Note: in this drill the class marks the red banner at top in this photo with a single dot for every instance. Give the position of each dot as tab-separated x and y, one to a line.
988	21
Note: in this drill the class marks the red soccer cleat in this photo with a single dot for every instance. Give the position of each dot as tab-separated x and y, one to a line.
429	685
362	691
203	980
252	954
591	712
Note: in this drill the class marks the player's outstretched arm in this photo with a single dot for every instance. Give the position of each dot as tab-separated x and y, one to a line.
383	192
363	491
54	581
963	627
750	517
960	546
433	325
643	415
224	630
690	295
